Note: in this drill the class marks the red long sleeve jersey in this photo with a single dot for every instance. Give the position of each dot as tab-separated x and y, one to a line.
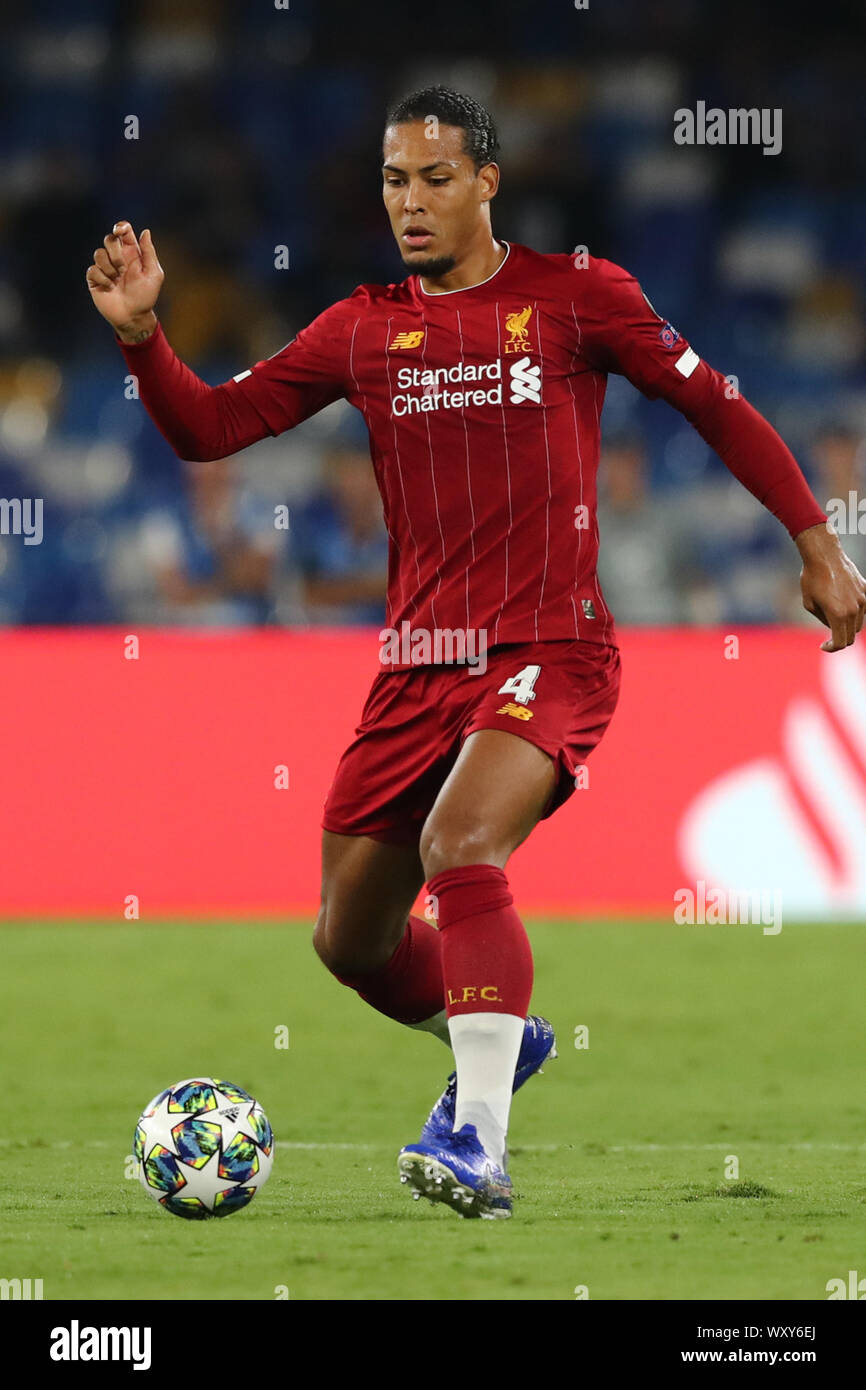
483	407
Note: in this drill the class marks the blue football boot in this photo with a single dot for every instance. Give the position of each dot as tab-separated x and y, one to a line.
539	1044
456	1170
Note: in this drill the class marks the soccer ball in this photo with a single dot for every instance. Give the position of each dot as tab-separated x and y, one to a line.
203	1148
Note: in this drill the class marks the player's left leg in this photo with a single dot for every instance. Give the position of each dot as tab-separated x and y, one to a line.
518	763
497	791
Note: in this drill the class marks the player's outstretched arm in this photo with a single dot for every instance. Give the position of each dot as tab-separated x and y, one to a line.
833	588
622	332
199	421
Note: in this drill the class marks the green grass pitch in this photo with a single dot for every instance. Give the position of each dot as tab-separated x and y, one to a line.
704	1043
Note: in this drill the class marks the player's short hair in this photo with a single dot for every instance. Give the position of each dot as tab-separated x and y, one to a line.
480	141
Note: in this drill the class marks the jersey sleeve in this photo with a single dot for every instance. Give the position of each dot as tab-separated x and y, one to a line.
620	331
306	375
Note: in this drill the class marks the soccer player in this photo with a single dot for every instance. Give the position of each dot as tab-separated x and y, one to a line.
481	378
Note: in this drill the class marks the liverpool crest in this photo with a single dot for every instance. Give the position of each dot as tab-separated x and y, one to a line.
516	324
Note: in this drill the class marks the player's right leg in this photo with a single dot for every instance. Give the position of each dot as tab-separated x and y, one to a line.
365	933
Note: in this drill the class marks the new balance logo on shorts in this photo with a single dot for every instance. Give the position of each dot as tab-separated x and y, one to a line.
518	711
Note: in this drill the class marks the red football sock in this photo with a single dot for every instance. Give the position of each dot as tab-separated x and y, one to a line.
409	988
486	956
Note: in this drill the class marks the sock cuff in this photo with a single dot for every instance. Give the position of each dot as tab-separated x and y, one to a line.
468	891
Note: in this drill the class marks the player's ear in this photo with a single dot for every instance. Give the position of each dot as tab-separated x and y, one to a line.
488	178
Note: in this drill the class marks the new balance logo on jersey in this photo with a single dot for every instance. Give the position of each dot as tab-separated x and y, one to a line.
525	381
410	338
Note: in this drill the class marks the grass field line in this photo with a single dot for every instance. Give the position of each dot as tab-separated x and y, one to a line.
334	1144
605	1148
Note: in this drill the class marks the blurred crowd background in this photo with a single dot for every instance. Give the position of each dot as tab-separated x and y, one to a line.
259	126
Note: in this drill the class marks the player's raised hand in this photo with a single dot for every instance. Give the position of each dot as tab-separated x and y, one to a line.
125	280
833	588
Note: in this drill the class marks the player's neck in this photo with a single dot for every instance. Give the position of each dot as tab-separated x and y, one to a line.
479	264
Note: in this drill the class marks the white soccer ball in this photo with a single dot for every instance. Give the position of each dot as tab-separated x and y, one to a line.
204	1147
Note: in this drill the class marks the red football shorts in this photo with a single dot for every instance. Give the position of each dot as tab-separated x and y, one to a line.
558	695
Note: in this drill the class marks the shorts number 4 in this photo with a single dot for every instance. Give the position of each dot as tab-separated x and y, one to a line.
521	687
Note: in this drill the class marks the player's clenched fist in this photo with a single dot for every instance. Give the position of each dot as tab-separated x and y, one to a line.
124	282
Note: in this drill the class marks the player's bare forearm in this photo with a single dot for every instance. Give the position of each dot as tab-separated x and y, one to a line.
124	280
137	330
833	588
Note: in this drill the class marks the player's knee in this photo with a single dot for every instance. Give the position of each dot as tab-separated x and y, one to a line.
444	847
320	937
328	947
345	958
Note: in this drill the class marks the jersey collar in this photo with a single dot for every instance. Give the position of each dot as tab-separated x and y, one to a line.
467	289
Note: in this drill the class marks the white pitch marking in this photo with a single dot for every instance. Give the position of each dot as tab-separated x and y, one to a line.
523	1148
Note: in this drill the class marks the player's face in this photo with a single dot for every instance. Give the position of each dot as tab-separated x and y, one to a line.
436	200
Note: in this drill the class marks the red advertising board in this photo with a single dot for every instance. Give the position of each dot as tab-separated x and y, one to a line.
153	772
